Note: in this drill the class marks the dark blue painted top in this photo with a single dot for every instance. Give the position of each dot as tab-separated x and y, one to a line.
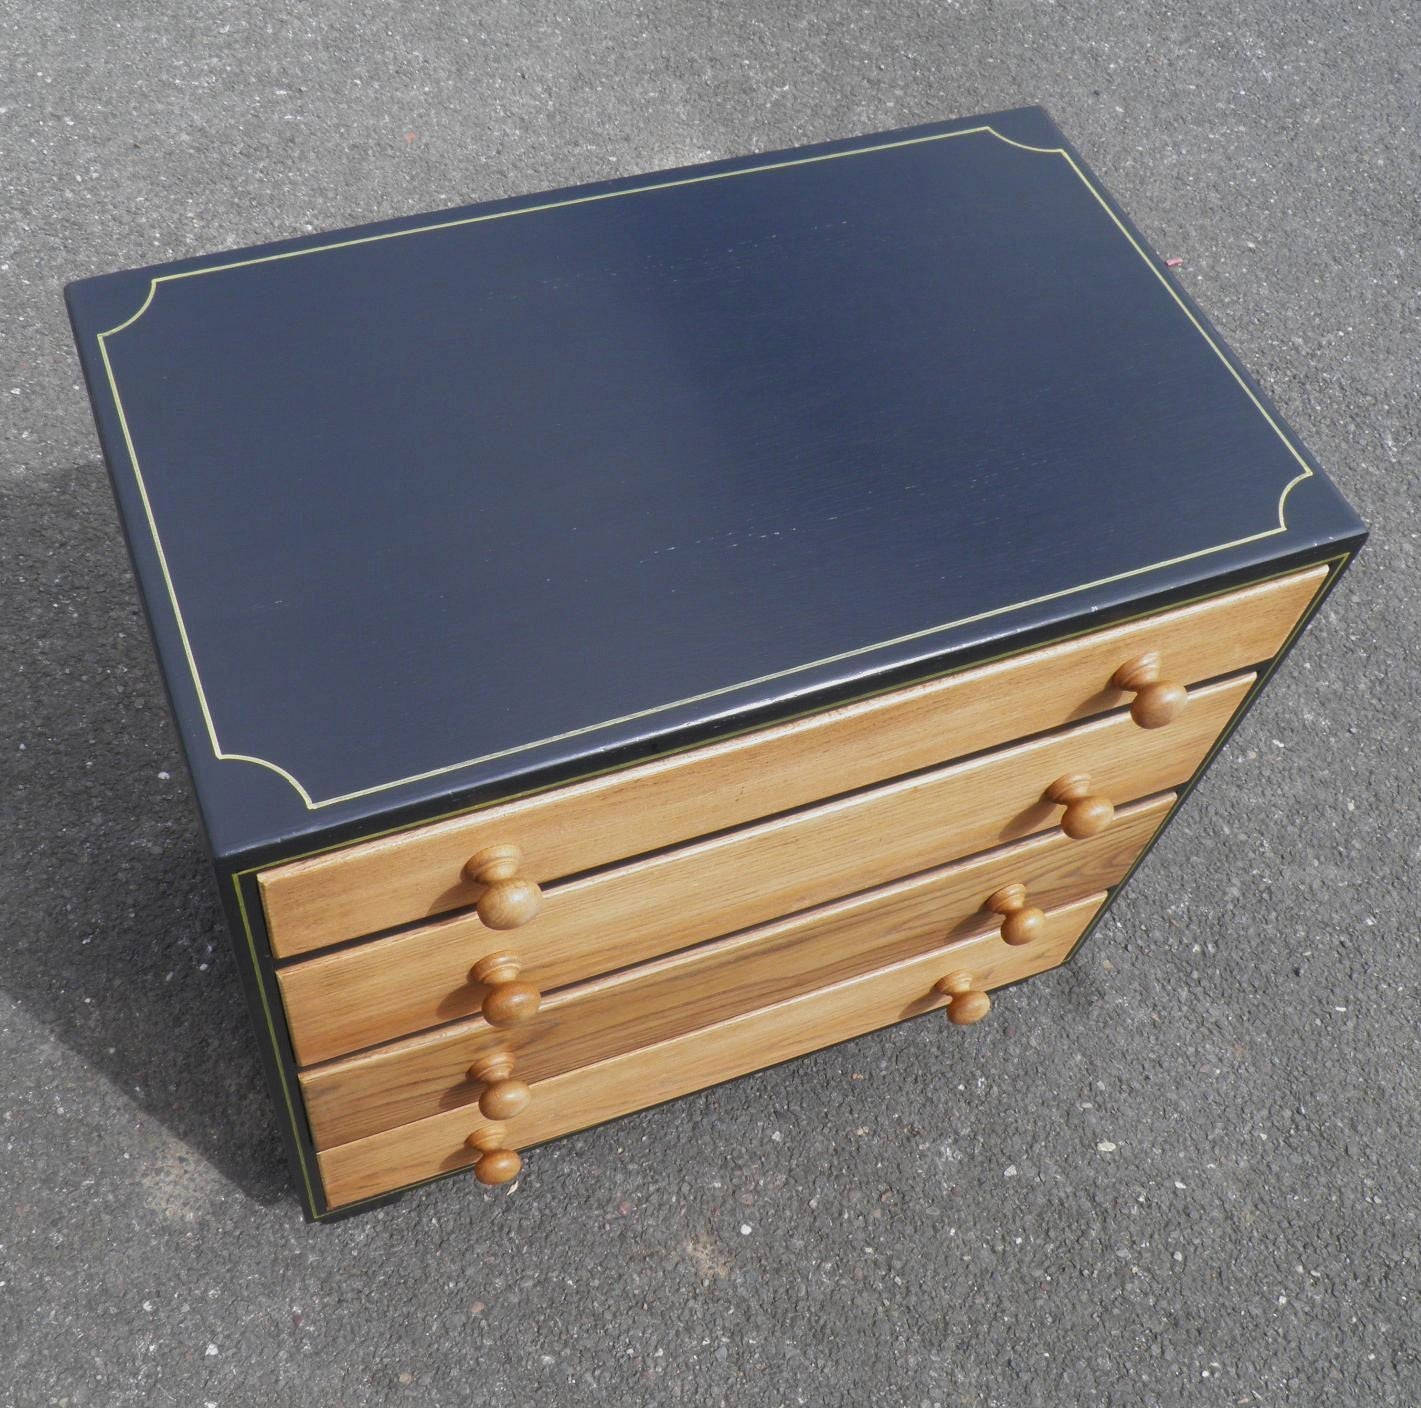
450	506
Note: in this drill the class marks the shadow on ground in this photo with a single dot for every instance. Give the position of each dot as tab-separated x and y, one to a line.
113	937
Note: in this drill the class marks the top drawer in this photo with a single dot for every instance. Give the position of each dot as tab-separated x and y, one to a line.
406	877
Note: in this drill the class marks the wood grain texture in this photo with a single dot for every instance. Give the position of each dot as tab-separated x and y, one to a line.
411	1079
402	878
342	1001
593	1094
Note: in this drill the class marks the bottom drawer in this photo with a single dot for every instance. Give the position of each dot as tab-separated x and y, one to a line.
590	1095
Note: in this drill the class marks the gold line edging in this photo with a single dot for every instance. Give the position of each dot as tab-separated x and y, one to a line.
276	1045
312	804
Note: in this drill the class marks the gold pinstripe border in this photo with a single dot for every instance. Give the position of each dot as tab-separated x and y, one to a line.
314	804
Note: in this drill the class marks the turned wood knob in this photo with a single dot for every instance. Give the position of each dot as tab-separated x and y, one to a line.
1157	701
508	902
495	1164
503	1096
507	1001
1021	922
965	1004
1086	813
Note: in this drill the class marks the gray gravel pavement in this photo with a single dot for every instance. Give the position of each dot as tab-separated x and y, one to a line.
1181	1172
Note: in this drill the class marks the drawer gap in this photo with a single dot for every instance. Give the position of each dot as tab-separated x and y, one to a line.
986	857
588	872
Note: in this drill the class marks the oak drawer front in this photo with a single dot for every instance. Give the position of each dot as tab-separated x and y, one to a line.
593	1094
413	875
340	1002
420	1076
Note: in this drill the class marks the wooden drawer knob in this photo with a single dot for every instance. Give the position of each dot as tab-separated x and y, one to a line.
1157	701
507	902
495	1164
1021	922
507	1001
503	1096
1086	813
965	1004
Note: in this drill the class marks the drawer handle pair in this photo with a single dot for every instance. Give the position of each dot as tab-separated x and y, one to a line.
1157	702
1022	923
503	1097
508	1002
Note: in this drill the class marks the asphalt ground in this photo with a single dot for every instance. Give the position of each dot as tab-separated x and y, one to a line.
1181	1172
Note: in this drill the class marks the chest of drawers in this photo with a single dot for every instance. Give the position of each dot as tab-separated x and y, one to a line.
628	637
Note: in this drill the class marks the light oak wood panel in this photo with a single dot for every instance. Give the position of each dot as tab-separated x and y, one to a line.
419	1076
409	876
340	1002
593	1094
